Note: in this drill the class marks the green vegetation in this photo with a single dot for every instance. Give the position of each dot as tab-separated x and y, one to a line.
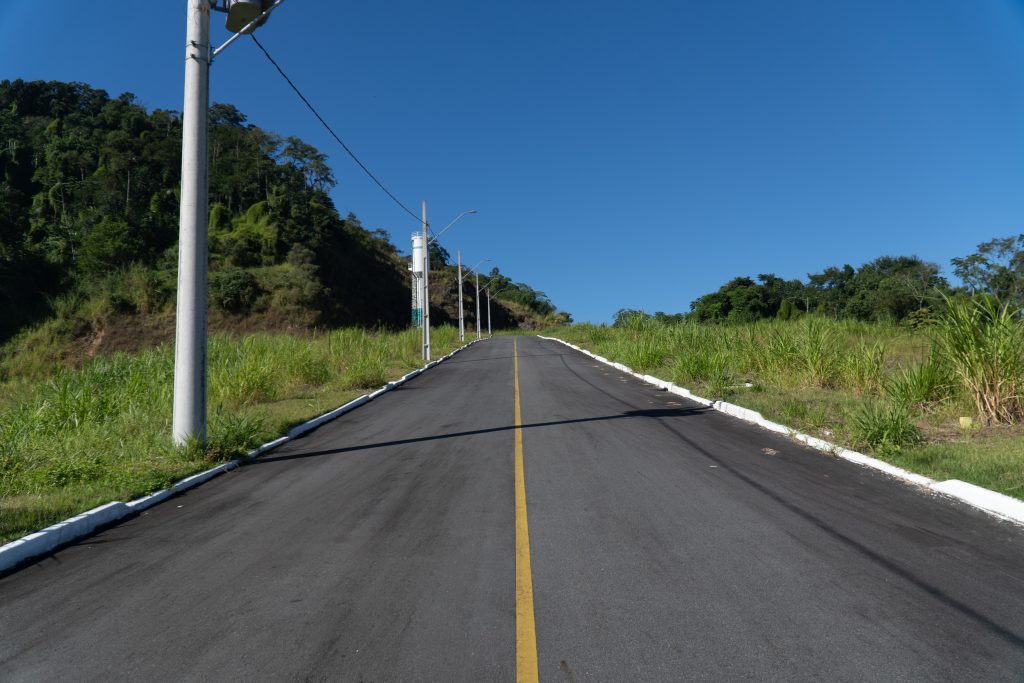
893	390
887	357
89	218
88	267
888	288
984	344
82	437
89	225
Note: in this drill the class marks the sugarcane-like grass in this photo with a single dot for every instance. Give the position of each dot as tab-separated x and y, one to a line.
889	390
80	437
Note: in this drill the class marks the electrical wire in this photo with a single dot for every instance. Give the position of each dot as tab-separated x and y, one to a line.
331	131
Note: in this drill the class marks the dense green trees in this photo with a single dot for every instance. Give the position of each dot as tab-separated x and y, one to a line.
896	288
887	288
997	269
89	191
502	287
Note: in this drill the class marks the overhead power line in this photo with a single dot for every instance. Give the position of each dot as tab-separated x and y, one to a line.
331	131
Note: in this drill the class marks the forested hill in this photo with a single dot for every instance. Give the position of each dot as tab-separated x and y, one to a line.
89	218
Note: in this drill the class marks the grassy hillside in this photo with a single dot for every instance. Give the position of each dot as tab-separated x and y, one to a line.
893	391
84	436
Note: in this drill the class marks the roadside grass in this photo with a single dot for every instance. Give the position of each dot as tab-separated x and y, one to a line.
81	437
891	391
994	461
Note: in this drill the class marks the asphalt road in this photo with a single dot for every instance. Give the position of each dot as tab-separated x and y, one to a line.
666	542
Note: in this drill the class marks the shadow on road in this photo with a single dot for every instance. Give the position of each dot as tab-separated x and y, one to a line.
508	357
653	413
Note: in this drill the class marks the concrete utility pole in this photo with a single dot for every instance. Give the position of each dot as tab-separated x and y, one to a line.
488	311
462	324
478	305
426	269
426	288
189	420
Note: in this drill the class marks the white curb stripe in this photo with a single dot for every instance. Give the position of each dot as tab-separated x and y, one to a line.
995	503
75	528
60	533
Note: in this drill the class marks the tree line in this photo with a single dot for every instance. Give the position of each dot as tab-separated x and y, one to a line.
888	288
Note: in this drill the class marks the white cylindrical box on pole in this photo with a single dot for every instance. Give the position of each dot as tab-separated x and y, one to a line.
416	266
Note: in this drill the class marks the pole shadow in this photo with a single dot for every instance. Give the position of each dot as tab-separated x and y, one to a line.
652	413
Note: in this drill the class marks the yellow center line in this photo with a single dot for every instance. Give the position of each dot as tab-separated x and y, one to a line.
526	629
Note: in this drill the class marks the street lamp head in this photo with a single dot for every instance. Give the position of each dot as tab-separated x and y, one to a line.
242	12
445	229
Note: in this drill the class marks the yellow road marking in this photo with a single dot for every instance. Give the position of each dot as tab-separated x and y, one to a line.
526	629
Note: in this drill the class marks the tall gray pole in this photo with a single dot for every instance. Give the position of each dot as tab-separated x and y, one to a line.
189	420
478	305
426	288
488	311
462	324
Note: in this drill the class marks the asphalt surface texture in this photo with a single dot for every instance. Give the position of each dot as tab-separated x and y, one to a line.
668	542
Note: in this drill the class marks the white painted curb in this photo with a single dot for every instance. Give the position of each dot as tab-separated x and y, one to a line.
995	503
62	533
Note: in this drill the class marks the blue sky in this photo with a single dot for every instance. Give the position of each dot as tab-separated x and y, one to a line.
620	154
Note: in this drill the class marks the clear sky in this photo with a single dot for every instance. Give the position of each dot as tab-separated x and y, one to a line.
621	154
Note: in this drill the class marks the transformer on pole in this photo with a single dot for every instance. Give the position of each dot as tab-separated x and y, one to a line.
416	267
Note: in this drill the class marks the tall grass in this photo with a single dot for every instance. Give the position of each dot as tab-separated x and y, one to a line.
101	432
893	390
983	342
920	386
807	353
863	368
886	428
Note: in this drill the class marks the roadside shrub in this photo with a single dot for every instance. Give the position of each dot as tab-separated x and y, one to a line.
719	386
885	427
140	288
787	310
109	244
232	435
291	285
233	290
919	386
